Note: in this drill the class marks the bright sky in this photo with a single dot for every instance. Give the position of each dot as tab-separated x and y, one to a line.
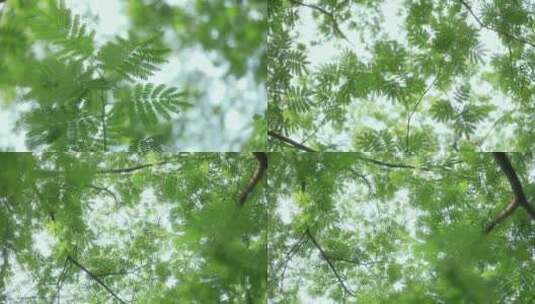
237	99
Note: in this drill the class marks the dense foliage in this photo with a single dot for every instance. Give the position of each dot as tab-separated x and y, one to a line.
128	228
420	75
360	228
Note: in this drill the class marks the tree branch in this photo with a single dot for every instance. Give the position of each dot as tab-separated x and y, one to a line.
98	188
331	265
290	141
519	199
131	169
104	131
478	20
262	163
98	280
332	18
61	278
506	166
386	164
509	209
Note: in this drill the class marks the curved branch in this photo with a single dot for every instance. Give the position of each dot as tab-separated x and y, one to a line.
331	265
519	199
290	141
262	163
509	209
98	188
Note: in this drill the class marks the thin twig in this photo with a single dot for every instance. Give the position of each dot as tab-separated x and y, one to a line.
385	164
330	15
331	265
315	131
131	169
291	252
104	131
107	191
290	141
482	24
97	279
415	107
61	278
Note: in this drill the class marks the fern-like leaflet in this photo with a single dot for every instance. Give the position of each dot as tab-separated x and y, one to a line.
132	58
59	27
298	99
151	104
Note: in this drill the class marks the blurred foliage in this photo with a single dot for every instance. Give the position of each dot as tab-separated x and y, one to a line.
78	91
155	228
408	84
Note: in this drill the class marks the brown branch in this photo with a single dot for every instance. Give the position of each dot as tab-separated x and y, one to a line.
509	209
97	279
519	199
328	260
290	141
482	24
262	163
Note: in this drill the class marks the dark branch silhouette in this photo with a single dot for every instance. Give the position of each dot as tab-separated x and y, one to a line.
482	24
329	15
104	189
290	141
331	265
385	164
61	279
519	199
103	117
130	169
262	163
508	210
289	255
97	279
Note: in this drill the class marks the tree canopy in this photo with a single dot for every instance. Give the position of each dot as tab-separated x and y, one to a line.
327	227
361	228
411	75
129	228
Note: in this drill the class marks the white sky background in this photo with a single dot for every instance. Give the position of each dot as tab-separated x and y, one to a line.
393	26
238	99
